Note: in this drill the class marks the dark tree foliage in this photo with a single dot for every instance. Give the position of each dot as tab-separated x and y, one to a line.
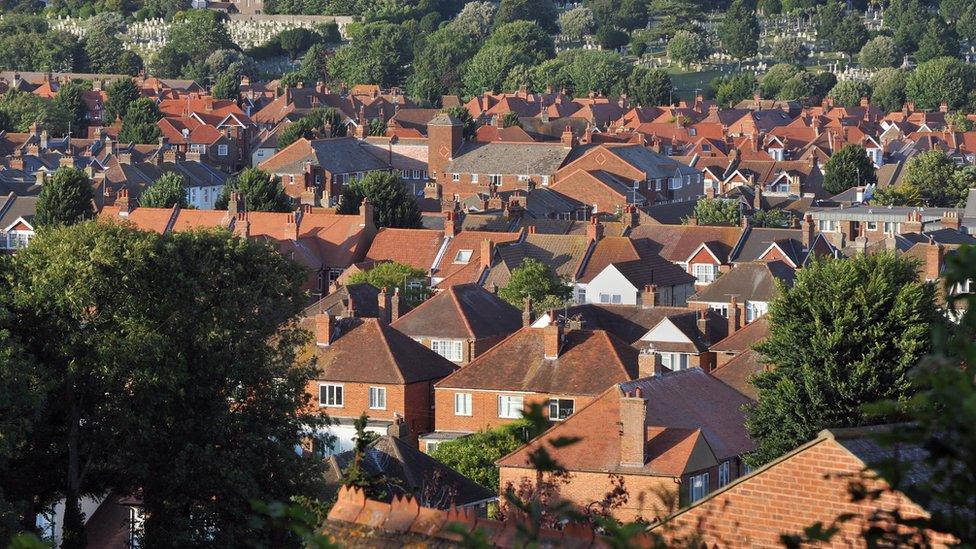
121	93
166	192
848	167
317	124
65	199
260	191
393	206
739	31
542	12
139	122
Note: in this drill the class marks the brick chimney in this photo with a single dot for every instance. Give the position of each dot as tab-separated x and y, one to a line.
567	138
398	429
451	224
808	234
648	364
552	336
291	227
323	329
950	220
734	319
649	296
633	429
366	214
594	231
444	140
395	305
235	204
934	255
487	248
912	223
703	323
527	316
383	305
242	227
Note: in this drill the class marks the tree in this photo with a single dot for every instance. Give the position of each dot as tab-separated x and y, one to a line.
908	19
296	41
139	123
791	49
530	40
440	63
65	200
935	179
474	455
739	31
329	31
23	109
475	20
848	167
850	35
716	211
534	279
411	282
169	61
821	372
801	86
577	22
542	12
72	102
511	119
687	47
121	93
878	53
318	123
828	19
261	192
966	26
378	53
777	75
469	126
550	74
489	68
168	191
945	79
730	90
888	89
598	71
198	33
939	40
393	206
849	92
650	87
771	218
355	474
227	86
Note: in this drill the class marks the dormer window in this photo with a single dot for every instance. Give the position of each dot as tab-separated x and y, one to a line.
463	256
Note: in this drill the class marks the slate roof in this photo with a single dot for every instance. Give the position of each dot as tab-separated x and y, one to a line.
370	351
509	158
635	261
757	240
589	361
463	311
754	281
564	254
744	338
365	300
628	322
15	207
336	155
676	244
410	472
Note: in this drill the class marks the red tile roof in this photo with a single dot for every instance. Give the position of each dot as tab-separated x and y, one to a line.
414	247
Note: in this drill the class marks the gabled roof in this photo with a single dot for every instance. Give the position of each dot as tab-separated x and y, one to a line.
744	338
363	298
370	351
682	408
336	155
564	254
16	208
738	372
453	270
757	242
588	362
414	247
677	244
628	322
509	158
755	281
463	311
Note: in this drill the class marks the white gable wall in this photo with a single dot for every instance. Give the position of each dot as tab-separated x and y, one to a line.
611	282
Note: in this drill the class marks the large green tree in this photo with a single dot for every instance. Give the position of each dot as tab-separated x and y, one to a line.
716	211
945	79
535	280
687	47
393	206
65	199
846	334
777	75
650	87
848	167
139	122
319	123
730	90
167	191
409	280
260	191
440	63
121	93
474	456
597	71
377	53
878	53
71	100
888	89
933	179
939	40
849	92
850	35
542	12
739	30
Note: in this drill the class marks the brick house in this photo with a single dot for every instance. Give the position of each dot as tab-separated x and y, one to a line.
808	485
367	366
561	368
703	251
742	295
461	322
680	433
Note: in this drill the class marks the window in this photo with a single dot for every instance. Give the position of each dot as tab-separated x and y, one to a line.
706	147
462	404
330	394
754	310
545	180
523	178
455	177
581	295
447	348
674	361
377	398
474	178
221	150
610	298
509	407
783	188
495	179
657	184
704	272
720	308
637	185
872	225
463	256
828	226
697	487
416	174
405	174
674	183
432	446
693	131
561	408
890	227
423	174
723	474
18	239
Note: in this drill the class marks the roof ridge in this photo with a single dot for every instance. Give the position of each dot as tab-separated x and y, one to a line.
381	327
460	309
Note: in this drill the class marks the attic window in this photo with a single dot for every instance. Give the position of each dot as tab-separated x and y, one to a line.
693	131
463	256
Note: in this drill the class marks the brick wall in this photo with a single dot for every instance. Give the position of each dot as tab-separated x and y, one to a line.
412	401
808	487
484	409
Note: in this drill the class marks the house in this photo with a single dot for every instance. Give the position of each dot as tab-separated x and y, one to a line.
467	255
843	225
812	483
679	434
704	252
565	254
742	295
360	300
16	221
628	322
562	368
461	322
407	472
740	341
681	340
365	366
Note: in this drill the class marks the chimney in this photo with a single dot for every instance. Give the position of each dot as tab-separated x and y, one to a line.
527	315
633	429
123	203
291	227
451	224
734	318
710	192
399	428
913	223
950	220
323	329
242	227
808	234
703	322
594	231
383	306
487	248
943	107
552	336
366	214
649	296
933	260
648	364
395	305
568	139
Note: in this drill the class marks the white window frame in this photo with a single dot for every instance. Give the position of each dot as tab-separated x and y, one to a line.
222	150
495	179
416	174
545	179
827	226
455	177
675	361
722	309
331	401
18	239
462	404
556	402
463	256
892	227
704	273
723	473
510	406
377	398
451	349
474	178
697	487
674	183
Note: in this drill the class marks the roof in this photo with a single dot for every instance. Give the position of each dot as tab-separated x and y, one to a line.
680	407
588	362
754	281
363	296
509	158
564	254
738	372
336	155
410	472
758	240
370	351
744	338
17	207
463	311
414	247
627	322
677	243
454	270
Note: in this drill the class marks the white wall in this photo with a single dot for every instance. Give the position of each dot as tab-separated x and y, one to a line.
610	281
